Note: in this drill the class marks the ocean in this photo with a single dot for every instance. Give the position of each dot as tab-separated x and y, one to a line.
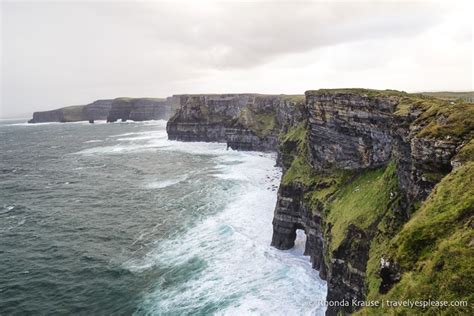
115	219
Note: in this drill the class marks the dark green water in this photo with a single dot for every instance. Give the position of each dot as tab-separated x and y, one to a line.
115	219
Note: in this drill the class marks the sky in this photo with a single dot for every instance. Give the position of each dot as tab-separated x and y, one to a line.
61	53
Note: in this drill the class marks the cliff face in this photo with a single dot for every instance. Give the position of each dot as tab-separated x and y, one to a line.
353	175
243	121
98	110
47	116
141	109
368	175
135	109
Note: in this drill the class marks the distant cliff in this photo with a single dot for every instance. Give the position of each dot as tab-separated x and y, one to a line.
135	109
382	183
97	110
141	109
243	121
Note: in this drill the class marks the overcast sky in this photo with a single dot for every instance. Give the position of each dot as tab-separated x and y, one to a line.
61	53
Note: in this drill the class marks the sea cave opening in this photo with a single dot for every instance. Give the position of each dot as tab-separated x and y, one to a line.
300	242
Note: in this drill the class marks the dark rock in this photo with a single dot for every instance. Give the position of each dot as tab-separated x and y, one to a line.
389	273
350	129
243	121
135	109
150	109
98	110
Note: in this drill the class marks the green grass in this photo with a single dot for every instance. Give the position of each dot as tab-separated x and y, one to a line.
296	98
451	201
447	119
439	118
295	134
466	153
293	148
73	113
300	172
361	202
261	124
361	91
434	249
467	96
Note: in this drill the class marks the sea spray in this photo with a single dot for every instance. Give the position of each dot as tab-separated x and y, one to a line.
224	264
139	224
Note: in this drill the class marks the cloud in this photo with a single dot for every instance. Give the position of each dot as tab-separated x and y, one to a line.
61	53
246	34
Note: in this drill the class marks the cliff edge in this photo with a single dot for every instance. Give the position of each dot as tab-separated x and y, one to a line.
135	109
243	121
382	183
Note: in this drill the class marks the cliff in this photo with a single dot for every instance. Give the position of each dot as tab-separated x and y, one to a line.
135	109
243	121
97	110
380	181
139	109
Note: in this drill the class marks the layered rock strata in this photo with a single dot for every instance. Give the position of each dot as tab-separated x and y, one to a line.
138	109
354	132
97	110
135	109
243	121
357	164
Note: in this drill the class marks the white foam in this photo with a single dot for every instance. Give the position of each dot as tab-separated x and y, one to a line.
6	209
160	123
93	141
240	266
164	183
157	140
32	124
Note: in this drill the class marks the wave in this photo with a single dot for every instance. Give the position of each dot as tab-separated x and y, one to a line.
225	264
93	141
161	123
157	140
7	209
165	183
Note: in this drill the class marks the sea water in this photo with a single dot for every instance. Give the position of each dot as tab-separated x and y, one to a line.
116	219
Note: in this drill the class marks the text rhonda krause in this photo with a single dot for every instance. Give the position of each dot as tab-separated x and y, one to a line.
391	303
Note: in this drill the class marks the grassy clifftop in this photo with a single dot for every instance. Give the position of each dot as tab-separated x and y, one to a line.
430	246
439	118
434	250
261	123
467	96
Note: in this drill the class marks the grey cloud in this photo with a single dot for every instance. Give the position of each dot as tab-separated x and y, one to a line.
56	53
248	34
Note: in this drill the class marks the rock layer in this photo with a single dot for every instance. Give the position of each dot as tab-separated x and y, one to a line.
381	152
135	109
243	121
139	109
356	132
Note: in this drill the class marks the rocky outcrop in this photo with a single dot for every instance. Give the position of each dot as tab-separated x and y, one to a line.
206	117
139	109
243	121
292	214
356	164
135	109
350	131
357	131
97	110
47	116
